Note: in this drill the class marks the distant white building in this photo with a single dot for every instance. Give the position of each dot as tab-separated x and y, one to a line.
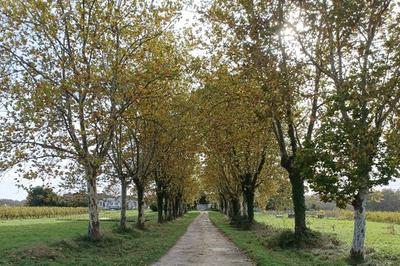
203	207
115	204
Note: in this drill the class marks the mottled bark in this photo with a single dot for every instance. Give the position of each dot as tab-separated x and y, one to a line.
124	186
359	204
94	223
141	218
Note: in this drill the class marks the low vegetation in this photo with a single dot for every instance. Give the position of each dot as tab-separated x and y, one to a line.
340	214
56	241
382	238
375	216
261	245
38	212
265	243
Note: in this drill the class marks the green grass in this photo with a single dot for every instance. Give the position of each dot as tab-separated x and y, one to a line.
19	233
50	241
381	237
260	243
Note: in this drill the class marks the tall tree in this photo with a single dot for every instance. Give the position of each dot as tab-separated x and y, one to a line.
176	158
250	36
352	153
145	125
41	196
118	170
76	67
244	144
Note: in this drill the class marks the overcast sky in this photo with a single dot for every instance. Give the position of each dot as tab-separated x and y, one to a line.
8	190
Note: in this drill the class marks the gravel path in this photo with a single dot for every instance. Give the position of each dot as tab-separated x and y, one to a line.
203	244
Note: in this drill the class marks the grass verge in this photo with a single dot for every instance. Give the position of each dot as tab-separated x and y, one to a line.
382	238
55	242
265	245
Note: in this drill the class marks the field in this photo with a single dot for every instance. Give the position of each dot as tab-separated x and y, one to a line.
374	216
383	241
38	212
53	241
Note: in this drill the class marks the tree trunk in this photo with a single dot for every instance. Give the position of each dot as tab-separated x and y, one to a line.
299	205
235	203
359	204
175	208
160	198
94	223
140	192
243	207
180	205
170	206
165	207
226	207
122	223
249	195
221	204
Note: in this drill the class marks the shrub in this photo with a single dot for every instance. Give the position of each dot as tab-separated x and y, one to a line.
153	207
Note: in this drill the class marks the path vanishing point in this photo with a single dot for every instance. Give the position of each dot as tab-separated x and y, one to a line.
203	244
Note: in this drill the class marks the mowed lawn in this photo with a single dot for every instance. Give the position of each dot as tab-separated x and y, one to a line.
24	232
260	243
57	241
382	237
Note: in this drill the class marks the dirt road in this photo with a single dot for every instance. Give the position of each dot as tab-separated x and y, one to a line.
203	244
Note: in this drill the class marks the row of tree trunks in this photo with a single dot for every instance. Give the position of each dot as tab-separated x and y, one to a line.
233	208
168	207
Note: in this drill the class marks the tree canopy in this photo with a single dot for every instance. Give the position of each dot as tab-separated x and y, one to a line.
264	101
